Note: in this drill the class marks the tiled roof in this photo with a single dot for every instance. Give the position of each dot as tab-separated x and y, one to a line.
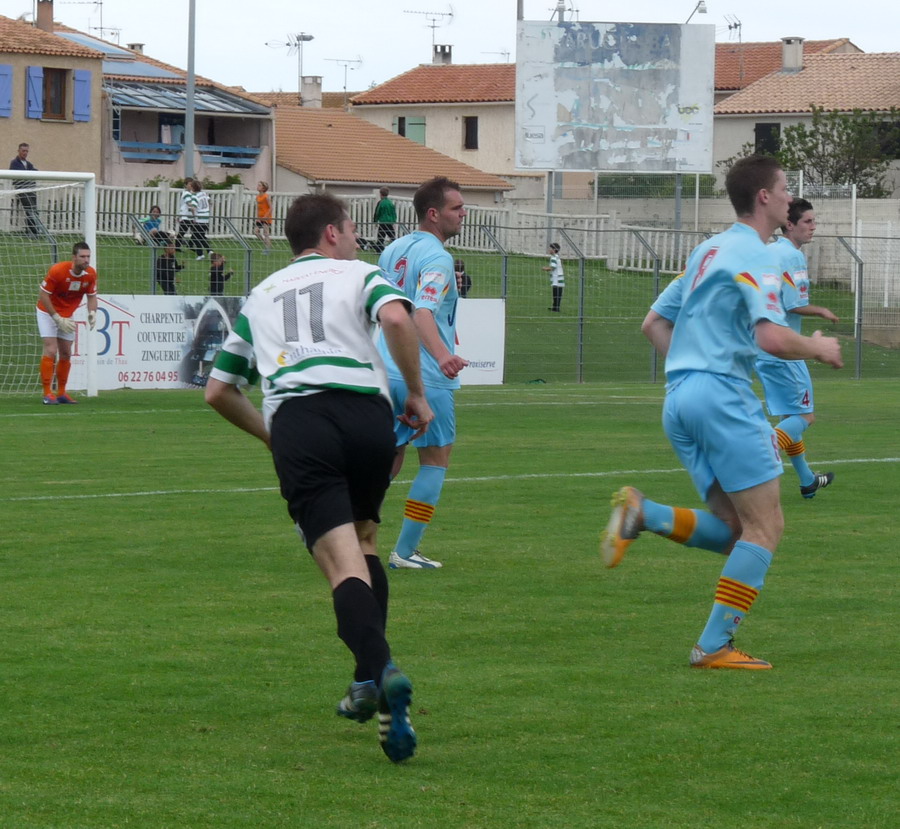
446	84
737	65
740	64
330	145
180	75
330	100
866	81
21	38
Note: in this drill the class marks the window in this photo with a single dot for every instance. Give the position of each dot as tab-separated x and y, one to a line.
58	94
411	128
470	132
55	93
767	138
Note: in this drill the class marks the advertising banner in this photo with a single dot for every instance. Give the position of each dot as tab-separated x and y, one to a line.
170	342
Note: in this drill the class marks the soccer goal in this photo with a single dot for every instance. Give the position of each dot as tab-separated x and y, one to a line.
42	214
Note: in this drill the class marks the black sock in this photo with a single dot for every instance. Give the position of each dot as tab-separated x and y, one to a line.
379	585
360	627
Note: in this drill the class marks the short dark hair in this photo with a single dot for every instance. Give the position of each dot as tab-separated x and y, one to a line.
746	178
309	215
433	193
24	144
384	192
797	208
554	246
80	246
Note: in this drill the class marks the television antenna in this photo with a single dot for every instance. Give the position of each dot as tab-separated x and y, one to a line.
561	10
348	64
294	45
505	53
734	25
101	29
435	19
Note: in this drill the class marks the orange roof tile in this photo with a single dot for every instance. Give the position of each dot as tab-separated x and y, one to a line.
446	84
17	37
867	81
740	64
330	145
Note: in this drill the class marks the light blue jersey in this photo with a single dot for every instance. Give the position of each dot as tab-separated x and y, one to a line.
794	285
731	282
668	303
420	266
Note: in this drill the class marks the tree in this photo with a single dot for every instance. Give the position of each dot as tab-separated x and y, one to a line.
840	148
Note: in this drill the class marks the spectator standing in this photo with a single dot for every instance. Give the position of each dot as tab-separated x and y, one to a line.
385	217
27	198
201	212
557	278
167	266
463	280
263	225
186	211
217	274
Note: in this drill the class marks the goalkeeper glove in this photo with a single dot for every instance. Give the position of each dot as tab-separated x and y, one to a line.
64	324
92	319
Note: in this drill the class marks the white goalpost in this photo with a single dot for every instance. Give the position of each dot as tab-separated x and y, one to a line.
42	214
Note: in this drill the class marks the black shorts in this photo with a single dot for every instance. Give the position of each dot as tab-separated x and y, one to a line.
333	453
263	222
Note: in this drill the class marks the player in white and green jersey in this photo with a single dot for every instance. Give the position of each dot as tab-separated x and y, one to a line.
306	331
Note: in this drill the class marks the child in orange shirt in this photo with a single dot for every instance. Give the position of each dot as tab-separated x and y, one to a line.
263	216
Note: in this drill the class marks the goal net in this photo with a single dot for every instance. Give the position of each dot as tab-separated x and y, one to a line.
42	215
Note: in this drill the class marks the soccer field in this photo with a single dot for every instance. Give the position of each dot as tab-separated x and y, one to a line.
170	657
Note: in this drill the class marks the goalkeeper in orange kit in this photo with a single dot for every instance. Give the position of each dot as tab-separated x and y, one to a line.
60	295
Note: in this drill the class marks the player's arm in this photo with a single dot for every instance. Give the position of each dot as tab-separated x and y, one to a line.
658	330
783	342
449	363
403	342
230	402
815	311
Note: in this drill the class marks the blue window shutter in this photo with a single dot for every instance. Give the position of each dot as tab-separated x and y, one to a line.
34	93
82	95
6	73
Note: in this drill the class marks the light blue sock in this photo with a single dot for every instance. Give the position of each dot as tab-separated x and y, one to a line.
691	527
794	427
742	578
423	497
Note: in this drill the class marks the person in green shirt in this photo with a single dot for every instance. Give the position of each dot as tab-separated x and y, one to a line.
385	216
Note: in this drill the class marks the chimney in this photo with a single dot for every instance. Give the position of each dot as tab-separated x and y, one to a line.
136	47
443	55
311	91
45	15
791	54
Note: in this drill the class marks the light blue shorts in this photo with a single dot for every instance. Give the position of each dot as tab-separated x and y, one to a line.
441	431
717	427
787	385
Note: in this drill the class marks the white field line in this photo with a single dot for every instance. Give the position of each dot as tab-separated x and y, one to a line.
468	480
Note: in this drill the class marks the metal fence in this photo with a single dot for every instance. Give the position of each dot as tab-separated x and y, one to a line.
613	273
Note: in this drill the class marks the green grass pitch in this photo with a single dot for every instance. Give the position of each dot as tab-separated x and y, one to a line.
170	658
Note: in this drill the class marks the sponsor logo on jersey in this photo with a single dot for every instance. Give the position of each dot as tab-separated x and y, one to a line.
704	264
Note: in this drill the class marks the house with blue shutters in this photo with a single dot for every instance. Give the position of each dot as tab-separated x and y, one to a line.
85	104
50	98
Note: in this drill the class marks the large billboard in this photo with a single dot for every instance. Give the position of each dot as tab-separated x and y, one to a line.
615	97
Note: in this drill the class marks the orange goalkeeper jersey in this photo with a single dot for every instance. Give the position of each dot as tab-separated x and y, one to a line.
66	289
